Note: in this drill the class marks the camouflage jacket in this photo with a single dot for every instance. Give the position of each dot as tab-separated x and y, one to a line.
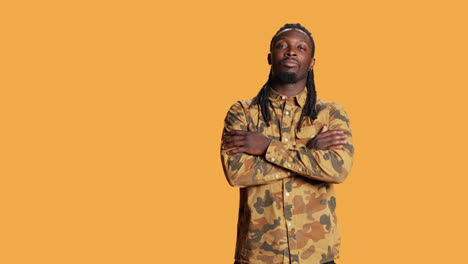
287	200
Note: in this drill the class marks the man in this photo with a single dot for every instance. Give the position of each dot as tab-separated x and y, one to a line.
285	149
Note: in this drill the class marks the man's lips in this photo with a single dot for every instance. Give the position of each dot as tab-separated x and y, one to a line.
289	63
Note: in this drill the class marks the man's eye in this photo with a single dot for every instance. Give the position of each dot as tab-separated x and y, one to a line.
281	46
301	48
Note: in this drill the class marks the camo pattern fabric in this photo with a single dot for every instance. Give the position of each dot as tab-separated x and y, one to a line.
287	209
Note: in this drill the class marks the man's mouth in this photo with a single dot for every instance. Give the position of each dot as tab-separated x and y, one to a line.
289	63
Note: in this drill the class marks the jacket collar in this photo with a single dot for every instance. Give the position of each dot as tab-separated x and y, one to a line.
300	98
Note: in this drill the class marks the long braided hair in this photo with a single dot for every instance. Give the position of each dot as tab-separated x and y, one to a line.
309	107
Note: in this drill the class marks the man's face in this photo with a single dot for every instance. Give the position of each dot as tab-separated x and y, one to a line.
291	56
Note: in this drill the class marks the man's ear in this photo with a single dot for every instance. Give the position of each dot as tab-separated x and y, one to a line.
269	58
312	63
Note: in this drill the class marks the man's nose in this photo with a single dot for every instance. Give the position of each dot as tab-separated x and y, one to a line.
291	52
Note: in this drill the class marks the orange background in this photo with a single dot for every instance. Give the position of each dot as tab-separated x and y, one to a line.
111	115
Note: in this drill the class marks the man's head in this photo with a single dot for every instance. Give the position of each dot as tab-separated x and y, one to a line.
291	58
291	54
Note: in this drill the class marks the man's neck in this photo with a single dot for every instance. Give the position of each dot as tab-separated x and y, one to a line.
289	89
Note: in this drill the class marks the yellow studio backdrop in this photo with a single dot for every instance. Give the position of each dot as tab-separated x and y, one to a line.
111	115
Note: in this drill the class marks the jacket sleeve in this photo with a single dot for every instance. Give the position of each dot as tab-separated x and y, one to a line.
243	169
324	165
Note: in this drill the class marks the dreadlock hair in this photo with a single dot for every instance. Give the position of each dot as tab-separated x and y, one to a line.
309	107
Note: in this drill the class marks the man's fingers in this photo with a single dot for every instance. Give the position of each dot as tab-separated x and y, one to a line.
234	144
327	144
236	150
232	139
331	140
236	132
328	139
333	137
330	132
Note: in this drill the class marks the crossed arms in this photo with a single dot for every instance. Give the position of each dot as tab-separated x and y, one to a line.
251	158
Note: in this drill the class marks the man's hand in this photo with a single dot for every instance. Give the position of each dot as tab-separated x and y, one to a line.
328	140
250	142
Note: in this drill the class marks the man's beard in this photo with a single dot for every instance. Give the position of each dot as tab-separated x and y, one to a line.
287	77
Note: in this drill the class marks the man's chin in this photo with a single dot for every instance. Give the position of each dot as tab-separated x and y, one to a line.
287	77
